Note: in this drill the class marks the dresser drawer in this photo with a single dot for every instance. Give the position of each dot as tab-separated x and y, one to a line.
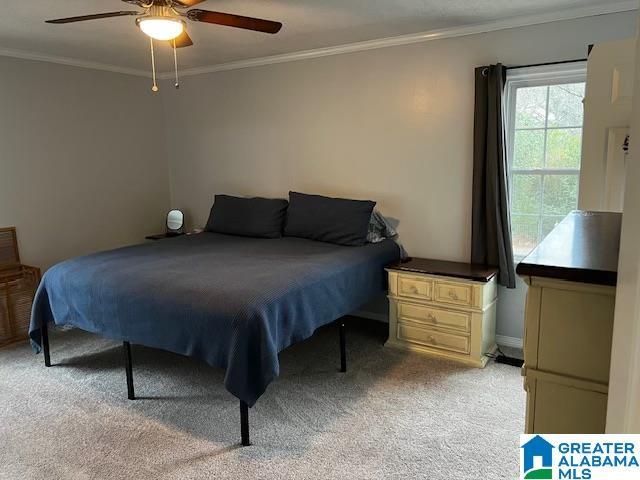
417	287
435	316
433	338
454	293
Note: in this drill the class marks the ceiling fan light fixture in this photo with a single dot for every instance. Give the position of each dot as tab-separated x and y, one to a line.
162	20
161	28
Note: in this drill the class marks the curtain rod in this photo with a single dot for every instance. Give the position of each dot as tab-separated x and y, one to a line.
547	64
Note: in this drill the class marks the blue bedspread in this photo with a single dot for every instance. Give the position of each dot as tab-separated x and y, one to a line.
231	301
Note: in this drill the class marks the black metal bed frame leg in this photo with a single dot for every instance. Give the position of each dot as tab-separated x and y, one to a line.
343	348
129	369
244	424
45	344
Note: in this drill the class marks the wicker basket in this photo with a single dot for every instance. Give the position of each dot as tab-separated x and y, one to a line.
18	284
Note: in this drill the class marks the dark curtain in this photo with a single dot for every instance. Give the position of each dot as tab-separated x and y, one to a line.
491	222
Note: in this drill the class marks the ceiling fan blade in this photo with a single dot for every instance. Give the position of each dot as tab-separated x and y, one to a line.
183	40
238	21
96	16
187	3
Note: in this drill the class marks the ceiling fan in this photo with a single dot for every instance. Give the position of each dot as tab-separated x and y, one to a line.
164	20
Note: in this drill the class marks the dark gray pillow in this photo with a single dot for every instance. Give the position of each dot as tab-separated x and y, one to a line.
250	217
333	220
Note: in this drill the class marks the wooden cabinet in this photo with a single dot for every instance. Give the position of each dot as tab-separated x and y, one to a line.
443	309
568	333
569	324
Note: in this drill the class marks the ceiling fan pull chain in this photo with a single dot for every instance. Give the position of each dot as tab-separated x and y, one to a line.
153	67
175	63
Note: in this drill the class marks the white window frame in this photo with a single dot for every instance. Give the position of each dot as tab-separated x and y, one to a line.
547	75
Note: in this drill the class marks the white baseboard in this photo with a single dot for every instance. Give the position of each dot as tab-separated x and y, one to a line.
514	342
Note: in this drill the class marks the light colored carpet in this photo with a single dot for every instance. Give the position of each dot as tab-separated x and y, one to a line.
393	415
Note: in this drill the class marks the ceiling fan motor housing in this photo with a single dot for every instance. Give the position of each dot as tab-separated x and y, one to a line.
160	11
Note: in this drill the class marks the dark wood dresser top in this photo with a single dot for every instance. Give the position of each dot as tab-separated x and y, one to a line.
582	248
468	271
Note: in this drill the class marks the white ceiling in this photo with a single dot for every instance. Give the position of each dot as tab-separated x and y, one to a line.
308	24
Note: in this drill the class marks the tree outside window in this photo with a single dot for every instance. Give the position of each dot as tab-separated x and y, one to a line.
544	144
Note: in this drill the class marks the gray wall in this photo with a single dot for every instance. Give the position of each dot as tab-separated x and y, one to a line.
82	159
85	165
392	124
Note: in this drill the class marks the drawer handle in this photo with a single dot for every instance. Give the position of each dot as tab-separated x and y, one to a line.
453	295
432	340
432	318
413	289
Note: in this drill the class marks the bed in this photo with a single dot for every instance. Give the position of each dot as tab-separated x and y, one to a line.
233	302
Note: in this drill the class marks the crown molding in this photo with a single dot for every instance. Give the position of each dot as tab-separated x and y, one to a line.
504	24
465	30
72	62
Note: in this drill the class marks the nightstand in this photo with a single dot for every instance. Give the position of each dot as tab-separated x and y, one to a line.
443	309
162	236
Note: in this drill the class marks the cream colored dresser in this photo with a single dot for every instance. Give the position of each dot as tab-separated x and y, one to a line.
569	324
443	309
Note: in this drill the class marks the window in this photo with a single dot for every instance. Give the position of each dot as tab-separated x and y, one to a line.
544	142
